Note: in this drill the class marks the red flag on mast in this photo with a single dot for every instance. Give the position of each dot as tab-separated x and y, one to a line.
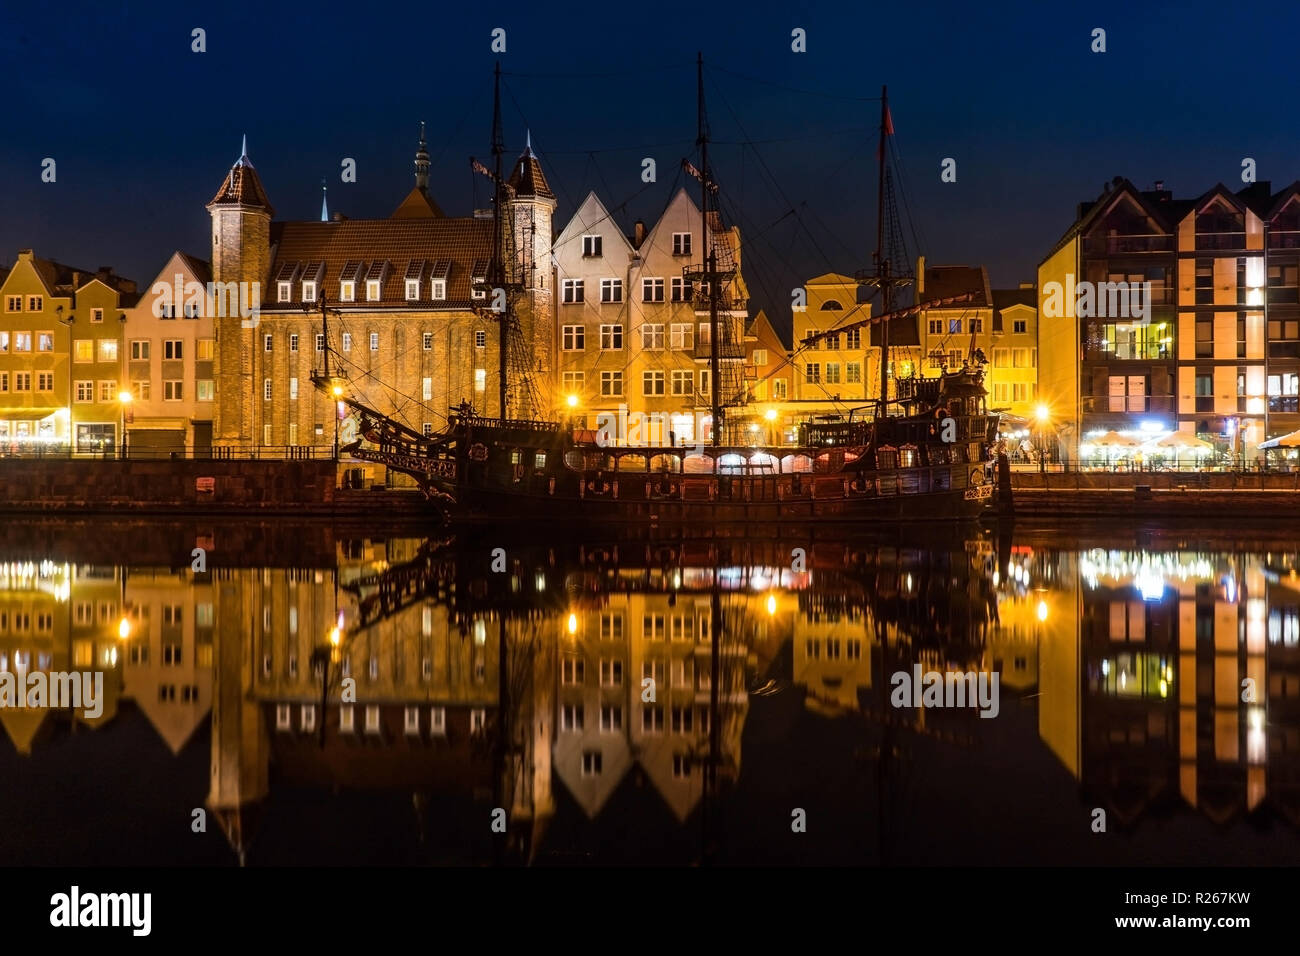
889	131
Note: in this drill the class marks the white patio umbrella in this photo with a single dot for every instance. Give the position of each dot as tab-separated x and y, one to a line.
1179	442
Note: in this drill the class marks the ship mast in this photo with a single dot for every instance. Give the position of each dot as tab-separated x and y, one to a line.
882	263
496	279
710	259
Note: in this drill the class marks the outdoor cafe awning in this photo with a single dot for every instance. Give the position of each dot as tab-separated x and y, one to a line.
1289	440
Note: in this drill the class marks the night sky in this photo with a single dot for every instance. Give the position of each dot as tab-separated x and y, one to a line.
143	130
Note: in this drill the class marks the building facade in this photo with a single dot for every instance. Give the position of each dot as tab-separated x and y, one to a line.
1209	344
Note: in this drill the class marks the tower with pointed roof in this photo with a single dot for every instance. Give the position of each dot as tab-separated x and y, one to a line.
531	208
241	253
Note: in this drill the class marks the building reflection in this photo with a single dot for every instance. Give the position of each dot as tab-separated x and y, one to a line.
1162	679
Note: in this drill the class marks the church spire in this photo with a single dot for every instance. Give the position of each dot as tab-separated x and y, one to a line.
422	164
324	205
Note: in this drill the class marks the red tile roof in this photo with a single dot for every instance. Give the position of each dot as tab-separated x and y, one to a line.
242	186
367	243
528	178
418	204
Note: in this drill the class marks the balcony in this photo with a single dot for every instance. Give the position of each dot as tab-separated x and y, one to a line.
1128	404
1124	245
1220	240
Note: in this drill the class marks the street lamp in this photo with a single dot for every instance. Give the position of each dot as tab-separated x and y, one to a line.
1044	415
124	399
770	415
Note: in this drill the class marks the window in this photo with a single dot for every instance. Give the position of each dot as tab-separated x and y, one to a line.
428	341
44	381
833	342
590	763
611	337
571	291
683	720
411	721
293	391
611	719
574	338
681	766
480	379
266	343
652	627
108	390
611	290
680	290
173	391
372	718
372	290
652	337
347	341
1020	358
652	383
591	246
683	382
107	350
611	384
85	391
204	349
412	289
14	303
438	721
426	389
266	434
976	325
760	358
779	388
611	627
704	337
35	303
320	342
652	290
833	373
139	351
283	291
853	339
681	243
22	341
812	372
571	717
293	342
652	719
348	290
611	673
45	342
22	381
266	391
309	292
1020	326
573	382
572	670
173	350
682	335
853	373
480	339
374	341
954	326
438	289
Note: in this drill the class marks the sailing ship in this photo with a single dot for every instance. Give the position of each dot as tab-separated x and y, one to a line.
924	452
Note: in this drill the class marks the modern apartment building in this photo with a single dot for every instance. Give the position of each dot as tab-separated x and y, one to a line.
1161	314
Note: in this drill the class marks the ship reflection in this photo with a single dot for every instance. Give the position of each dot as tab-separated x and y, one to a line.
679	700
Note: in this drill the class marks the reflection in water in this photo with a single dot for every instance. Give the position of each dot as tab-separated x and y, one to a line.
666	700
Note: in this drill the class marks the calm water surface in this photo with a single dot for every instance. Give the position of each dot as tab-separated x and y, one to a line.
662	700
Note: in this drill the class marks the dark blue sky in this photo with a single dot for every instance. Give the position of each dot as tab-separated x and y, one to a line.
143	129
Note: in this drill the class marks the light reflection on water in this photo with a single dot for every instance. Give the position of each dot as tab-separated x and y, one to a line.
1154	678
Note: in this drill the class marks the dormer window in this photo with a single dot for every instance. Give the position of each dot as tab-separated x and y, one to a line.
681	243
412	290
591	246
438	289
284	291
348	291
479	293
372	290
309	292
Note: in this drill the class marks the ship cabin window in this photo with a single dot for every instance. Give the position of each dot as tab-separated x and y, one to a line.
957	407
886	458
516	457
907	456
539	460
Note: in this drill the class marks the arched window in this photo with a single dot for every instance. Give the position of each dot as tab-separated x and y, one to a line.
830	305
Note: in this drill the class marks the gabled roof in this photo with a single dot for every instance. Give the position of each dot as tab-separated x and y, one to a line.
385	247
417	205
1159	205
201	269
527	179
1280	200
942	282
761	327
242	187
832	278
1218	190
587	218
1006	298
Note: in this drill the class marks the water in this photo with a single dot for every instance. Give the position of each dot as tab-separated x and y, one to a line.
1120	659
